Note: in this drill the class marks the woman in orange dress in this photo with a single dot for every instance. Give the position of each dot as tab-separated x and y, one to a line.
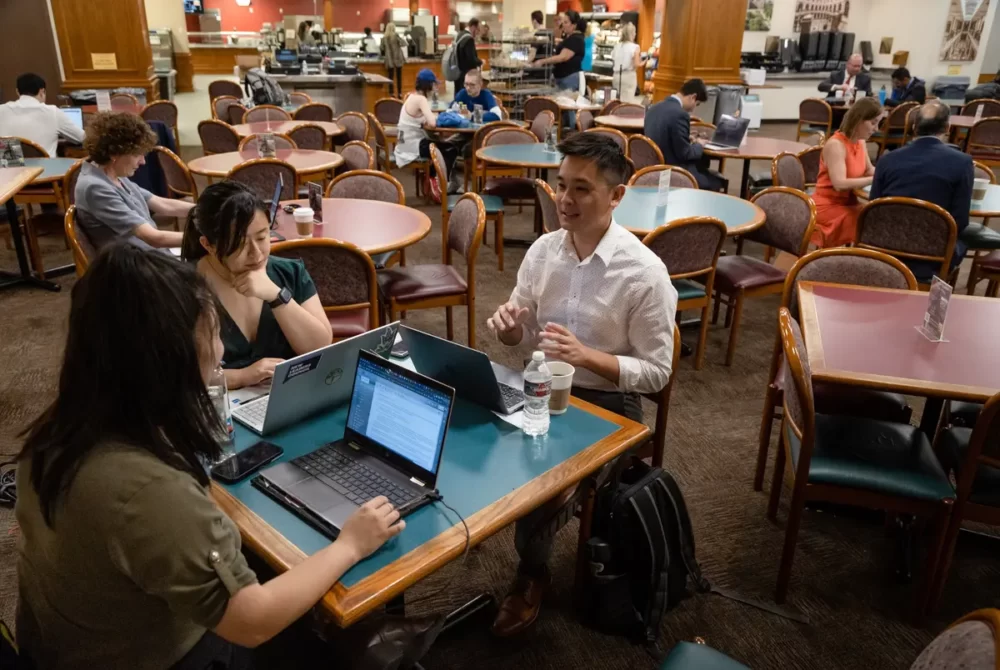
844	166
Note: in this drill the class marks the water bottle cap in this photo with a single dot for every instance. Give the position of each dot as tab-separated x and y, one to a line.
538	356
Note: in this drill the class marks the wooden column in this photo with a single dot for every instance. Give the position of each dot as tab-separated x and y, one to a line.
699	38
328	14
89	36
647	16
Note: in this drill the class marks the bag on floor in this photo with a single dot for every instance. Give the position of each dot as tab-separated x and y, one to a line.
262	88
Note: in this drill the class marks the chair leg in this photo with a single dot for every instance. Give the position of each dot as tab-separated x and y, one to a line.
735	329
768	252
402	257
764	437
450	322
470	309
498	234
944	562
991	288
715	307
660	435
699	355
777	481
973	271
33	249
791	538
935	554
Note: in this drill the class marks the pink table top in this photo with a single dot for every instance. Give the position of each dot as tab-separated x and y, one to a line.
376	227
759	148
305	161
624	123
246	129
867	337
959	121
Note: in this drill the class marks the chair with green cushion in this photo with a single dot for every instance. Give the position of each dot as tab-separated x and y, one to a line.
699	656
979	237
850	461
690	249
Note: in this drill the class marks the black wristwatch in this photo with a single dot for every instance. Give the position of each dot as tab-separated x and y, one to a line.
284	297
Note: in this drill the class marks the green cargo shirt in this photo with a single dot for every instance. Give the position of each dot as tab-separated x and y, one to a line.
138	564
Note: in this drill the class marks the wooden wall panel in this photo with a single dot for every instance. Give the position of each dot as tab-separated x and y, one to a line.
217	60
185	72
27	23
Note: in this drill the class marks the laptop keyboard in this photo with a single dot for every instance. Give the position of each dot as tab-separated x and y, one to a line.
351	477
512	397
253	412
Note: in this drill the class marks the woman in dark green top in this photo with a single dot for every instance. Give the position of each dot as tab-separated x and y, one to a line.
271	310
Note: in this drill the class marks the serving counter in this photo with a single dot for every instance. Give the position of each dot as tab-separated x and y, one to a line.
410	69
343	92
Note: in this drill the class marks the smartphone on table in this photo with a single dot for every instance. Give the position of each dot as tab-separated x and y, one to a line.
246	462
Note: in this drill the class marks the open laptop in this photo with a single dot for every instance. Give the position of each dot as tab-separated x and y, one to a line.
272	214
392	446
473	375
729	133
306	384
75	115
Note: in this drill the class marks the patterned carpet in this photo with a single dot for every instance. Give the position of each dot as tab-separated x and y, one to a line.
842	581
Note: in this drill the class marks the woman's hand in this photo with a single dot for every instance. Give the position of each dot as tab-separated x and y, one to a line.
260	371
256	284
369	527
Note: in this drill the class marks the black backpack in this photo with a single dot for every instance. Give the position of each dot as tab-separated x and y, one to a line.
262	88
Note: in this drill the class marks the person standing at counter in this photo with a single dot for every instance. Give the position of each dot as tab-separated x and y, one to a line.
305	34
395	57
568	60
414	118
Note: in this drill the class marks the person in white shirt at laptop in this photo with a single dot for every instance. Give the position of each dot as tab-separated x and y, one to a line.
592	295
29	117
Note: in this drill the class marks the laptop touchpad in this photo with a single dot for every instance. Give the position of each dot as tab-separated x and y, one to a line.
339	513
316	495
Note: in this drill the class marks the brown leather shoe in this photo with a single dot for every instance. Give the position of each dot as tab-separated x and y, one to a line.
520	606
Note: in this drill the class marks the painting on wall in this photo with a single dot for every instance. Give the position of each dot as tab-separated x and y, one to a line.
821	15
963	29
885	46
759	13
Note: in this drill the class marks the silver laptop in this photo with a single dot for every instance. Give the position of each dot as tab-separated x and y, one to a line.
312	382
729	133
75	115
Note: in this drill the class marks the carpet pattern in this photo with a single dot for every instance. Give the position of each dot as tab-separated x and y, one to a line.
859	617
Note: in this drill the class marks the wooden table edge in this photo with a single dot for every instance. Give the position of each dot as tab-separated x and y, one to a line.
860	194
523	164
12	188
424	231
300	171
759	218
329	133
347	605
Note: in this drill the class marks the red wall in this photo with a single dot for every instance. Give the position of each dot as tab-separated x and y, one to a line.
345	12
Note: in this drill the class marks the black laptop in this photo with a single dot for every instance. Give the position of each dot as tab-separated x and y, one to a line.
392	445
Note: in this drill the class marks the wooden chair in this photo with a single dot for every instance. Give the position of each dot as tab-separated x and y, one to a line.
432	286
787	170
690	249
471	166
387	110
908	131
643	151
234	114
610	107
261	174
849	461
29	149
165	112
969	643
650	176
123	101
385	158
630	110
224	88
989	269
314	111
983	142
839	265
298	98
358	156
662	400
345	281
979	238
620	138
282	142
791	216
69	181
355	125
371	185
547	203
309	136
180	183
535	104
910	229
584	120
262	113
506	184
809	158
83	250
541	123
815	114
217	137
990	107
894	128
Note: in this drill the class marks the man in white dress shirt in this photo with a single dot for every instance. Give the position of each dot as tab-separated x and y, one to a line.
29	117
593	295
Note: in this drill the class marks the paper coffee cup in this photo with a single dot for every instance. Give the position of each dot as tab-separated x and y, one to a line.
979	188
562	385
303	220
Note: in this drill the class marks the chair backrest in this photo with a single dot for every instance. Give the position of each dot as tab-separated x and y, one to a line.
234	114
380	141
464	230
28	148
540	125
547	201
358	156
791	216
83	250
69	182
618	136
984	137
816	110
911	117
217	137
536	104
650	176
983	171
314	111
180	183
990	107
689	247
897	117
387	110
630	110
610	107
908	228
221	105
367	185
223	87
261	174
799	406
282	142
266	113
508	134
309	136
971	642
344	274
161	110
120	100
355	125
504	114
643	151
584	120
702	129
809	159
298	98
787	170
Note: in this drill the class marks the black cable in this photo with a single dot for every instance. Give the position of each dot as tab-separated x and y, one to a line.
8	485
437	497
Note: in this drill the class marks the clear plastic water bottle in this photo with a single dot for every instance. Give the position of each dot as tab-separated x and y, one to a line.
537	388
881	95
550	139
219	393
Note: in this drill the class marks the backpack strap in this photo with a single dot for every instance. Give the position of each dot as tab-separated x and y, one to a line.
659	552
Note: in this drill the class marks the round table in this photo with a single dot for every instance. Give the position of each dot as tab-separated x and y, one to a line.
987	207
376	227
471	129
305	161
284	127
47	188
639	214
520	155
756	148
626	124
53	169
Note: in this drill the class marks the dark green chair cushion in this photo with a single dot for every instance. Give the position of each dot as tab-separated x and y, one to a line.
888	458
691	656
492	203
688	289
964	413
953	446
978	236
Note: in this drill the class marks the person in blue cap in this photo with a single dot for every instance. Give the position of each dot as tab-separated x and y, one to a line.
415	117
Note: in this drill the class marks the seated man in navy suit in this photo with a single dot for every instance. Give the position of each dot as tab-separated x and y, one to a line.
931	170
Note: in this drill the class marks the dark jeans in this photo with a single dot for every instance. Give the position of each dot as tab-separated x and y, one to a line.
535	532
448	151
397	74
214	653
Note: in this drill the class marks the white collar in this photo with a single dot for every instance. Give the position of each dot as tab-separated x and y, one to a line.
29	101
605	249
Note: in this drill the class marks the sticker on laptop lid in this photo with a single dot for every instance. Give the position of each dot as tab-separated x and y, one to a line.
302	367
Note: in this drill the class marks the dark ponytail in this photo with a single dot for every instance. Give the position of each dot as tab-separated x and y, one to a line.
222	215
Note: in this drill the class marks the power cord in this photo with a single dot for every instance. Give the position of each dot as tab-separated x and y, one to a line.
8	485
437	497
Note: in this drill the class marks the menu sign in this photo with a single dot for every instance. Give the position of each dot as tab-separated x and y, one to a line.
937	311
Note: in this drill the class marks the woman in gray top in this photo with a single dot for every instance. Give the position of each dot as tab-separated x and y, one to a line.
109	206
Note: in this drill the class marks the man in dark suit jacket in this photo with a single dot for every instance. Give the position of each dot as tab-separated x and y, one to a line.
851	77
906	88
668	124
929	169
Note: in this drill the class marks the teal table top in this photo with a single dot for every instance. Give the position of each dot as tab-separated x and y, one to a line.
521	155
484	459
638	211
988	206
55	168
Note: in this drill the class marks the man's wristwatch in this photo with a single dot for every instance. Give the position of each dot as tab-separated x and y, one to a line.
284	297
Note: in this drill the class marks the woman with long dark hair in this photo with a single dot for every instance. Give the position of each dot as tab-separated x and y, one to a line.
126	561
270	310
